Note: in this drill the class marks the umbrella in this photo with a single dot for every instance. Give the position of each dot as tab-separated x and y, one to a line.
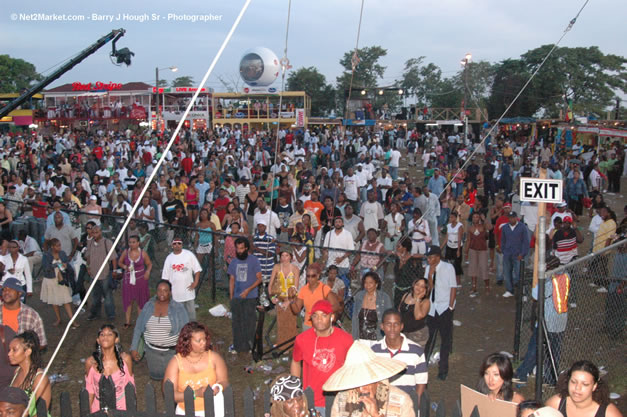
575	161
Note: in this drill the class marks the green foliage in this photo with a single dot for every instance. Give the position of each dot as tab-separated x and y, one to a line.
16	74
183	81
315	85
586	76
367	72
163	83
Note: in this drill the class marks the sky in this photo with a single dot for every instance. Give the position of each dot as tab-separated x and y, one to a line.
320	32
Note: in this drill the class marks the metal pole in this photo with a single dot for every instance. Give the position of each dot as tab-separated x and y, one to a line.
157	97
519	307
541	247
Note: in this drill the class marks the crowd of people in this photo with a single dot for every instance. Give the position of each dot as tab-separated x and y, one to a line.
308	223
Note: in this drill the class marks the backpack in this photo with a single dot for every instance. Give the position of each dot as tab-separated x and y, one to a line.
561	289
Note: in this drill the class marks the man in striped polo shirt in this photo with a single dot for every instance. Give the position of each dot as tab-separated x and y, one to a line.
264	248
396	345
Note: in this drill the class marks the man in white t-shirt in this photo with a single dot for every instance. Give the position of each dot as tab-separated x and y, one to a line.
350	187
182	269
372	212
395	158
338	239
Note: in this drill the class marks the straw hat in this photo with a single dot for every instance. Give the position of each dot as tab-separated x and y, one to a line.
362	367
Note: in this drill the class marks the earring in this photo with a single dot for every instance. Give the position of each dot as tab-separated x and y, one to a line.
99	349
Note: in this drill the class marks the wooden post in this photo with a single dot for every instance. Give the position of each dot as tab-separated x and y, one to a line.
229	406
131	398
150	399
83	403
66	405
541	211
208	397
249	402
168	396
425	404
188	400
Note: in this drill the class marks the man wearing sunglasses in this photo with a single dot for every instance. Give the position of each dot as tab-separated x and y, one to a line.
182	269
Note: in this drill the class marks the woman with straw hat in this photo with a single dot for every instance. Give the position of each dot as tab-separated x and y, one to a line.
365	389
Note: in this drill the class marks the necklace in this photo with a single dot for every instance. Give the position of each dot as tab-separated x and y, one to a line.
197	360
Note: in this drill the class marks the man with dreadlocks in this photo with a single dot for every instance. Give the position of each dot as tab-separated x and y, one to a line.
108	360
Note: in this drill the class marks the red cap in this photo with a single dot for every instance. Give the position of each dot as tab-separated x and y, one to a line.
322	305
507	205
568	219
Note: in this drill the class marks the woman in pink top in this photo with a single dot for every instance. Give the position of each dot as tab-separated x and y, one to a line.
108	360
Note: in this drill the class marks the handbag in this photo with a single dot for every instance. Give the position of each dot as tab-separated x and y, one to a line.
141	347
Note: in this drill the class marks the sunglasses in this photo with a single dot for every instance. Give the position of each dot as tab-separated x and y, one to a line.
312	275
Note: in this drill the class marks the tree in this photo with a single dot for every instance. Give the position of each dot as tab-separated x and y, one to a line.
585	76
163	83
509	77
183	81
420	80
315	85
16	74
367	72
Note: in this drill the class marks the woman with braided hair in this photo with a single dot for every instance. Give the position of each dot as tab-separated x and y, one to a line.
108	360
24	352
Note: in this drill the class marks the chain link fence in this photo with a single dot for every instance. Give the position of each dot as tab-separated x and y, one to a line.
593	327
396	274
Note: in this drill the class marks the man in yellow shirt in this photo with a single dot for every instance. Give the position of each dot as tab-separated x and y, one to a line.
507	151
178	189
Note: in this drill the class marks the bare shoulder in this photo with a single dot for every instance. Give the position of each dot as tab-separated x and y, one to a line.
554	401
612	411
517	398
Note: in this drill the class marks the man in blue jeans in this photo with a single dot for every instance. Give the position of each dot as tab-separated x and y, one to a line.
97	249
514	246
244	278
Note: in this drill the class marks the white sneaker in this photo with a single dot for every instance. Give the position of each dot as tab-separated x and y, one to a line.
507	294
602	290
573	305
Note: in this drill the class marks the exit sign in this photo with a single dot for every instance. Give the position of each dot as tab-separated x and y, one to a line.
540	191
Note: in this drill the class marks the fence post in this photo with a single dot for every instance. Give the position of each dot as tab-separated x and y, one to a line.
540	327
83	403
188	400
266	402
209	400
457	410
42	409
168	396
65	404
425	404
519	306
310	397
107	393
249	403
229	406
131	397
441	411
212	265
150	399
